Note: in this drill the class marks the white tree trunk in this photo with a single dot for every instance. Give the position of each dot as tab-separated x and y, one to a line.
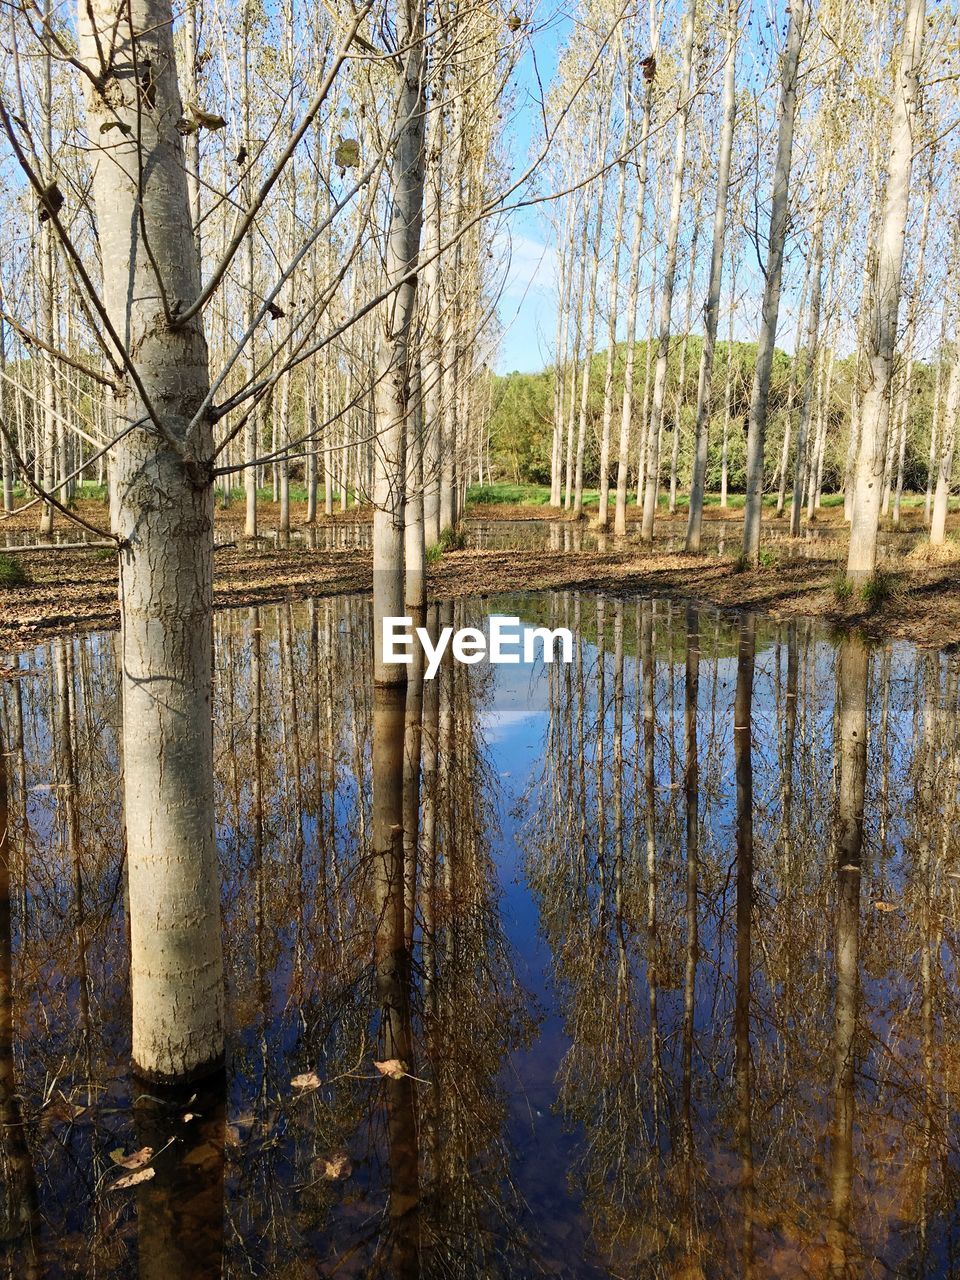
391	397
164	514
711	309
938	521
779	218
885	302
652	481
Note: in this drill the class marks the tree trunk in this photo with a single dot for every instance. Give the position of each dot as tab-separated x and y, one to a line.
711	308
941	498
391	397
885	302
164	513
652	481
801	465
779	218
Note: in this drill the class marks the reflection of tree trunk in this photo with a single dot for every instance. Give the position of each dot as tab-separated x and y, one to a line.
928	818
413	727
19	1203
790	735
67	778
852	696
742	713
392	972
180	1210
650	790
691	779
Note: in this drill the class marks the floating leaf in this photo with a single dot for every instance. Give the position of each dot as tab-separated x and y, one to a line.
309	1080
347	153
392	1067
337	1167
188	1116
116	124
276	312
134	1161
885	906
131	1179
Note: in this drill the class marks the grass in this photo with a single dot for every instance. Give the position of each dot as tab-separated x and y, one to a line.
877	590
766	559
841	587
449	540
12	572
298	493
525	495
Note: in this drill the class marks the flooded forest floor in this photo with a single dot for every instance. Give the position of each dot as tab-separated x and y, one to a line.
74	587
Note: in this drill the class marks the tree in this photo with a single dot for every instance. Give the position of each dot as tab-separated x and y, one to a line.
881	330
779	218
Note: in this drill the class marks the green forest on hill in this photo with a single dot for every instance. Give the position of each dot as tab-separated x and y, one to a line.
522	406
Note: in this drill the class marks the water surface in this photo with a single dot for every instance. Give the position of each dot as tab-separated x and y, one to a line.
675	987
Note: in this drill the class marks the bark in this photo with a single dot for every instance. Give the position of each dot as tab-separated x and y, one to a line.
933	453
652	480
938	519
391	397
432	307
633	302
164	513
612	298
801	465
779	218
884	305
711	307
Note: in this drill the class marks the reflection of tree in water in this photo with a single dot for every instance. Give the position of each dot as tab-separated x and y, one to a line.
762	1039
333	961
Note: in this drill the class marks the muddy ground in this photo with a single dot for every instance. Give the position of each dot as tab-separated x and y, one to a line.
76	589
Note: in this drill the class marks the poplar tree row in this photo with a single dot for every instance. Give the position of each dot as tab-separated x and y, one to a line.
754	180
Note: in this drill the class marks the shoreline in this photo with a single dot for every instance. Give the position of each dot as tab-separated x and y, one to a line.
76	590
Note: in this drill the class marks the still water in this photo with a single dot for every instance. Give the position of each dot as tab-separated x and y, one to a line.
670	965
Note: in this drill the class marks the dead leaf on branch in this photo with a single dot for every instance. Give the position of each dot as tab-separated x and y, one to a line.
392	1068
131	1179
885	906
51	201
276	312
346	155
308	1080
195	118
134	1161
337	1167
